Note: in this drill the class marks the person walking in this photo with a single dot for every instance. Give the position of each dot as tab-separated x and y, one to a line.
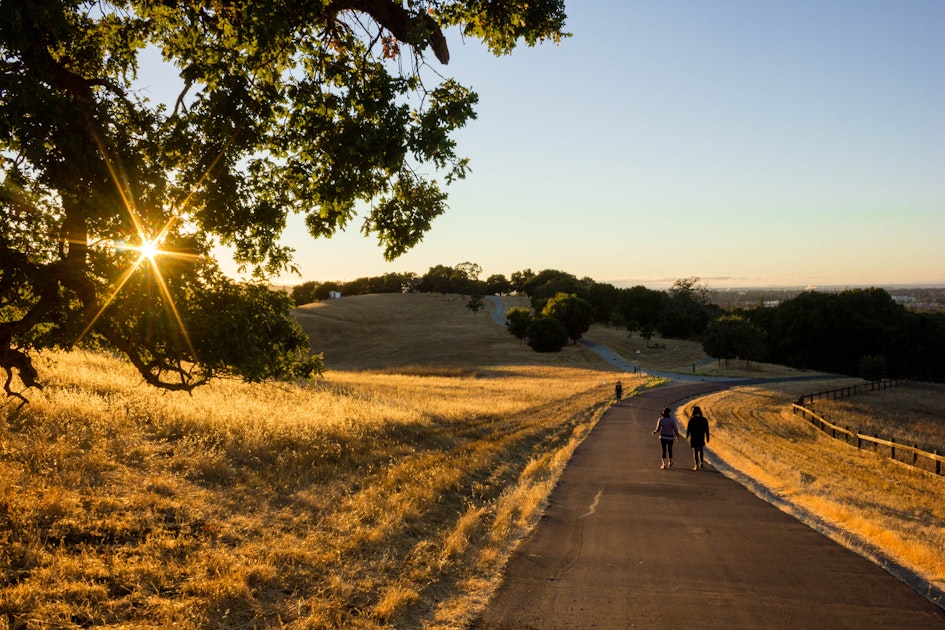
697	432
618	392
669	433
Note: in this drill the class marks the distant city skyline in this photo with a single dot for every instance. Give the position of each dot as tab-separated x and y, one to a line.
780	144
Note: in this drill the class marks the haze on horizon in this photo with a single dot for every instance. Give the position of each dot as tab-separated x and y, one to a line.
749	144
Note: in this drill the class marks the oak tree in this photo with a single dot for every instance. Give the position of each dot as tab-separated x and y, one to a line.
517	321
577	314
112	203
734	337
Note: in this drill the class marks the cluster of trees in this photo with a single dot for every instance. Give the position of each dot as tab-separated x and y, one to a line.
564	316
860	332
462	279
682	312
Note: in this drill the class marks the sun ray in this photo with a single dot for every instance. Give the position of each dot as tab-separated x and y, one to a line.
122	280
172	306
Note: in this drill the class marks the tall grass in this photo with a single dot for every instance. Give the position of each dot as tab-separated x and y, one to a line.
366	500
890	512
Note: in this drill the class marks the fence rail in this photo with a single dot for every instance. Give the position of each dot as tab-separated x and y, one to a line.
843	392
855	437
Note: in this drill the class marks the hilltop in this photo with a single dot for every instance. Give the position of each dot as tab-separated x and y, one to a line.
386	331
391	331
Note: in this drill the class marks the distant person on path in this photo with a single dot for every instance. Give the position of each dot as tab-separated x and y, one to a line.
697	432
669	433
618	392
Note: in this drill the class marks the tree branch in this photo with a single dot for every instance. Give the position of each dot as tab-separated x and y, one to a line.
12	359
415	30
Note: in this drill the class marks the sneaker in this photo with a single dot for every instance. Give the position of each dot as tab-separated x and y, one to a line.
670	464
701	465
695	468
663	465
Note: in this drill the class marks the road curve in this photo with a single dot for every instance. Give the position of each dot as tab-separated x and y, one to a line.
623	544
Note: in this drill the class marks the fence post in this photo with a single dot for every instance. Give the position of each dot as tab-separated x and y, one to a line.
915	455
859	442
938	463
892	448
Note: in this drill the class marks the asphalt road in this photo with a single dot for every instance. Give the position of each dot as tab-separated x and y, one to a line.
624	544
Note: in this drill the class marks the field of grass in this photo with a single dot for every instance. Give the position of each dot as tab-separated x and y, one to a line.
387	494
883	509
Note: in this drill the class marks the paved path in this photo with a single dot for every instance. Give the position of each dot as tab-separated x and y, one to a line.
626	545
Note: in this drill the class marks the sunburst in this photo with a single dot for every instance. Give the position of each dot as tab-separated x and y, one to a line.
149	250
150	245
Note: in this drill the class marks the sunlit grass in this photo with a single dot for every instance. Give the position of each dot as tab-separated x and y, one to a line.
364	500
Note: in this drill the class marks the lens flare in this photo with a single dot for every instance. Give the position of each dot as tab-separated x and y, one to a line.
149	250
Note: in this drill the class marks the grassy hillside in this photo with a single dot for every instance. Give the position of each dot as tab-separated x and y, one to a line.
387	331
384	331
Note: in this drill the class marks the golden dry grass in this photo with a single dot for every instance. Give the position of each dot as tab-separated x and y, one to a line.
878	507
373	498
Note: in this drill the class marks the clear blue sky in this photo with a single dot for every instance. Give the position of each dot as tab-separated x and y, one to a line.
750	143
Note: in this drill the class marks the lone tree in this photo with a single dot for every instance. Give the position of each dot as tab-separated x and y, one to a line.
111	203
475	303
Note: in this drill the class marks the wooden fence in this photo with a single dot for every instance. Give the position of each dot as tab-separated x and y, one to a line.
853	436
843	392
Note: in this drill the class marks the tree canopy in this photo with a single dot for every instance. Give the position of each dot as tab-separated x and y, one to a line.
112	204
734	337
574	312
517	321
546	334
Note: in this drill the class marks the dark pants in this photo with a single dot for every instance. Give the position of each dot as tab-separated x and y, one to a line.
698	453
667	446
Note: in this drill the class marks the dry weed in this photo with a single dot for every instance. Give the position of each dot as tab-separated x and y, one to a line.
366	500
